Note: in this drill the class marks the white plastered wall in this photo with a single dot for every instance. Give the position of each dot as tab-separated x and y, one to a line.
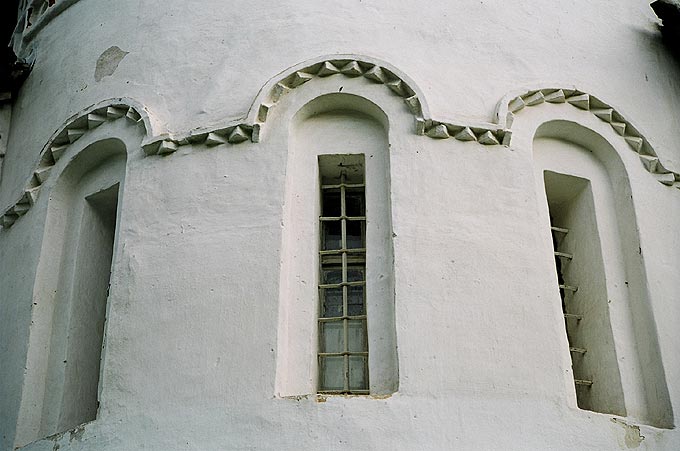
191	358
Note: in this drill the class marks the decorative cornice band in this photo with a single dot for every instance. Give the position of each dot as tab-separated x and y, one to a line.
34	15
380	73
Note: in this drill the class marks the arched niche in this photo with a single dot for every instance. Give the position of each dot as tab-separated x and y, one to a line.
81	207
334	124
584	188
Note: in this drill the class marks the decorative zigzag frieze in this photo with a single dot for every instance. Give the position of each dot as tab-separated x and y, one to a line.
58	144
232	134
483	134
345	67
375	73
486	136
239	132
604	112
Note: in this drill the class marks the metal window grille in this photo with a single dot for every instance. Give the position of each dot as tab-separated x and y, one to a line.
571	319
343	338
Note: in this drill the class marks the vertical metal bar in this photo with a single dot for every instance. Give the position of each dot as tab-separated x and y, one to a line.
343	235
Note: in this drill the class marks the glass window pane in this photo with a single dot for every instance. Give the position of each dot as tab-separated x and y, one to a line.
355	234
331	235
358	373
331	302
354	203
331	275
332	371
356	335
330	202
332	337
355	301
355	273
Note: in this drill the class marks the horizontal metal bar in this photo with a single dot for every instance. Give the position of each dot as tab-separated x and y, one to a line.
564	255
583	382
336	260
340	318
573	315
343	251
578	350
343	284
346	185
340	354
569	288
559	229
344	392
337	218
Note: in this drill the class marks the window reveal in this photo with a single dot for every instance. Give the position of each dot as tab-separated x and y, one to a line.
583	293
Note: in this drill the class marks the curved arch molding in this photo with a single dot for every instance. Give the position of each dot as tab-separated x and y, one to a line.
513	105
372	71
74	129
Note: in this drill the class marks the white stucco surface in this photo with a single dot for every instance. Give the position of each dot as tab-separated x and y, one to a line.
198	346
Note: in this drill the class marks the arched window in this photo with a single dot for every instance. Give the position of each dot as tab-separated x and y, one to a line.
610	330
72	288
337	290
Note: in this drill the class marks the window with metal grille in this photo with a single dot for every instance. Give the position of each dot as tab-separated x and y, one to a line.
583	292
343	337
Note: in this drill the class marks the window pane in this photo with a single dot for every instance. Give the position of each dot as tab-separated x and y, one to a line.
330	202
331	275
332	337
355	301
358	373
355	273
355	235
332	370
354	203
331	235
331	302
356	335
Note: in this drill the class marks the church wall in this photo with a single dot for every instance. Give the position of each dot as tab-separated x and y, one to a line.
193	347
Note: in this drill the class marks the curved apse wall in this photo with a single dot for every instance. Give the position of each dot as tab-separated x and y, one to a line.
609	316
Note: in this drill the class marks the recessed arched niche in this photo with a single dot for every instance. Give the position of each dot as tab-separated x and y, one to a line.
72	288
602	285
340	142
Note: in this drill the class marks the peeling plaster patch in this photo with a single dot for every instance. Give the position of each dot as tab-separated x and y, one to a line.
76	433
632	438
107	63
